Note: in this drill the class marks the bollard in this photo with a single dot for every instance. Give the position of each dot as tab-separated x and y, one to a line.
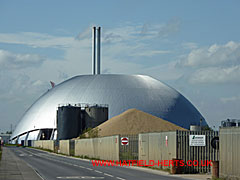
215	169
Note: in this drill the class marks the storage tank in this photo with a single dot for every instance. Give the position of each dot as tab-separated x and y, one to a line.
195	128
69	122
95	115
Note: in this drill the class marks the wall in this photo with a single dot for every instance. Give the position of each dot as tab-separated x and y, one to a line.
153	146
44	144
229	147
106	148
64	147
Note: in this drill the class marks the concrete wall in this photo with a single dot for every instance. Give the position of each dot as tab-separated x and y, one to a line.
229	147
153	146
37	144
106	148
44	144
64	147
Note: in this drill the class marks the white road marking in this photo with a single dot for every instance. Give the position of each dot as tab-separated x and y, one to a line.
108	175
98	171
80	177
120	178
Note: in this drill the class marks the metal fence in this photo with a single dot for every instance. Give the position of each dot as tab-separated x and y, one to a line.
200	154
130	151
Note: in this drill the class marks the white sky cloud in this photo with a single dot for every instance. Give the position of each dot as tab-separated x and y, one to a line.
226	54
230	99
125	49
172	26
9	60
37	40
189	45
213	64
216	75
150	53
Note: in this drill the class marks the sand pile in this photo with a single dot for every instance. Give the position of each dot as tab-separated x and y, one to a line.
134	121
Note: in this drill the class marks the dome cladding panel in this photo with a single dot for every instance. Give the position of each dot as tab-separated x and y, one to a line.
120	92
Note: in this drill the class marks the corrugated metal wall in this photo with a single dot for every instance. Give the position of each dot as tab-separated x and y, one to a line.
157	147
106	148
229	146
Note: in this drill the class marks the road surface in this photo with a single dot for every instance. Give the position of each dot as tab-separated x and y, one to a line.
51	166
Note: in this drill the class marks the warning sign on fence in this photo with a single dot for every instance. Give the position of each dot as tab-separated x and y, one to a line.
197	140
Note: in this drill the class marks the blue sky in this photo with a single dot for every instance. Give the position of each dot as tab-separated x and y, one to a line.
194	46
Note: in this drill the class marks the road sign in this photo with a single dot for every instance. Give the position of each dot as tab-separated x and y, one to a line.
124	140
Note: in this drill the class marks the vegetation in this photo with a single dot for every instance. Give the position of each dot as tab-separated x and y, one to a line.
10	144
90	133
206	128
86	157
126	155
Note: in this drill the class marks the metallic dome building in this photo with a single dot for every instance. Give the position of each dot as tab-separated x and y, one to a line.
120	92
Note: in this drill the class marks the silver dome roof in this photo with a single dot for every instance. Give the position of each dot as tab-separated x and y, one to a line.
120	92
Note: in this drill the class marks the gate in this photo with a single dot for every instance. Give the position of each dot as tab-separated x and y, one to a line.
186	152
130	151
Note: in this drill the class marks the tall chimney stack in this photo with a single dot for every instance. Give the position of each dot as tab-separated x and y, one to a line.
94	50
98	49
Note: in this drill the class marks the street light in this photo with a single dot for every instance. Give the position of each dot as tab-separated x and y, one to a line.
201	124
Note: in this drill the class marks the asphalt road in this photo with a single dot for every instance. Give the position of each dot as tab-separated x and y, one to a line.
54	167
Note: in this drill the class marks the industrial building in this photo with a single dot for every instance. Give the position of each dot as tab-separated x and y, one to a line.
118	92
230	123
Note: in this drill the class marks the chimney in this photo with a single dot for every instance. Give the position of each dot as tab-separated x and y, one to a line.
98	49
94	50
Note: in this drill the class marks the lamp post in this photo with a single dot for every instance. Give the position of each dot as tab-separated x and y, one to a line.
201	124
